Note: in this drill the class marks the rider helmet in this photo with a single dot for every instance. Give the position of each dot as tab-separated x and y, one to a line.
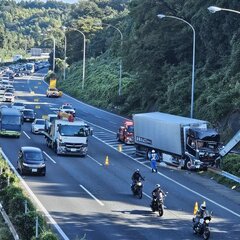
158	186
203	206
153	151
137	170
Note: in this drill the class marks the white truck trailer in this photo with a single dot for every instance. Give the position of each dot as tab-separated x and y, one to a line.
189	141
68	138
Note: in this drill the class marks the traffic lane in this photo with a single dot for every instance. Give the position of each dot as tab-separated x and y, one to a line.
102	182
191	191
126	210
83	111
63	187
225	222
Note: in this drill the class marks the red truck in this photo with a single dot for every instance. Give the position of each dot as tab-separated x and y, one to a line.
125	132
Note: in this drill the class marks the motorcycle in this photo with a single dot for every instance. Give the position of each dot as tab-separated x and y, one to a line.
202	227
137	189
157	204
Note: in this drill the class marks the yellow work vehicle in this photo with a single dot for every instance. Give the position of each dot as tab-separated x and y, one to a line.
53	92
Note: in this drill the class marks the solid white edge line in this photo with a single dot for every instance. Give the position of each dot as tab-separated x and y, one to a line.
26	135
91	195
198	194
95	160
49	157
46	213
179	184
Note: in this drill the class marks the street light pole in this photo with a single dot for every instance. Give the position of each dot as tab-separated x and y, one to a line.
120	64
84	55
65	54
54	52
213	9
193	56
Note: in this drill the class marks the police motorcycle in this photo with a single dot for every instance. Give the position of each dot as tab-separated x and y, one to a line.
158	204
202	227
137	189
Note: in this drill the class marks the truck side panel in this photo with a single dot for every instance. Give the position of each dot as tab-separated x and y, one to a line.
162	135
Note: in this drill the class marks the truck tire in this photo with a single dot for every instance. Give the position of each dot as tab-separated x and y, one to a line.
55	148
187	164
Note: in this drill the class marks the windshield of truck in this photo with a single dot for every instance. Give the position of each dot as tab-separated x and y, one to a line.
51	119
73	131
130	129
11	120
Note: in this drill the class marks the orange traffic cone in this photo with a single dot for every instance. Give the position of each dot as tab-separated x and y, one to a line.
195	208
106	161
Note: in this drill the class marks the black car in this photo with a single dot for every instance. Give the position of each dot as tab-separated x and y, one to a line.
31	161
28	115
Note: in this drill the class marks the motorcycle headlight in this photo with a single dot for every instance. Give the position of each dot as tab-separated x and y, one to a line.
207	221
139	184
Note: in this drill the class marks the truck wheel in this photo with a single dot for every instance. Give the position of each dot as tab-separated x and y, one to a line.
55	148
187	164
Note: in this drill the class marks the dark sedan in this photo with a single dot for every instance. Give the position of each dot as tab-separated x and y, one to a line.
31	161
28	115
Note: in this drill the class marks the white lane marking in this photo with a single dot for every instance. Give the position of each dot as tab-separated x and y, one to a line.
92	106
198	194
179	184
91	195
49	157
26	135
95	160
46	213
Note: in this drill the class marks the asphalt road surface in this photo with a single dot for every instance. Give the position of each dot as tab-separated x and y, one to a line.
86	197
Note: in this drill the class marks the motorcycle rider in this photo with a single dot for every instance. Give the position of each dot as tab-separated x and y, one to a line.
156	194
136	177
200	214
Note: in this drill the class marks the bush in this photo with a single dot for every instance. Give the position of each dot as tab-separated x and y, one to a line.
25	225
48	236
9	193
5	234
231	164
17	205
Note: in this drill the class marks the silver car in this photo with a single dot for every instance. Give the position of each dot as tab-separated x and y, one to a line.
38	126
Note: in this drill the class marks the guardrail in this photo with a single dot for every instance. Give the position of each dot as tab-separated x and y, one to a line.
9	223
225	174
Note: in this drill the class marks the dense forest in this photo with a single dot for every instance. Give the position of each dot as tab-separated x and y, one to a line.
156	54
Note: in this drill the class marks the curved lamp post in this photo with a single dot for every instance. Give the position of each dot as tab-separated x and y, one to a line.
193	56
213	9
84	54
120	64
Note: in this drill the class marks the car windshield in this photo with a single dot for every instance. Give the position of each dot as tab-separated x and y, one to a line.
66	107
40	122
18	104
8	94
33	156
28	113
13	120
67	130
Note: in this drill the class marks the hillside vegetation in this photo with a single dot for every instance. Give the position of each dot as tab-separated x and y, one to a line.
156	53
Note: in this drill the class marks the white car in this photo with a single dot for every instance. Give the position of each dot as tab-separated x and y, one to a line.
18	105
8	97
67	108
38	126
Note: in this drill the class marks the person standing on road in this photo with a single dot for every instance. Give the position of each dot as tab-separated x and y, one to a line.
153	156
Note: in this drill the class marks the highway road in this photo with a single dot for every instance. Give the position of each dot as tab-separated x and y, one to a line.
86	197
